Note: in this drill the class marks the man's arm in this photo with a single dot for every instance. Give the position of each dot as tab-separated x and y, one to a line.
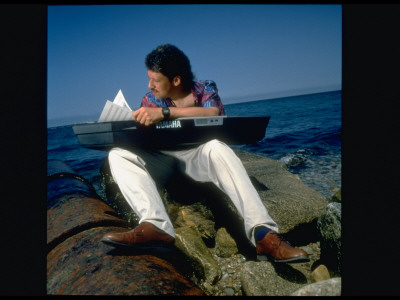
181	112
152	115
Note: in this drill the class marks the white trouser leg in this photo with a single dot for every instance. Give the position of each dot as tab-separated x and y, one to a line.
214	161
139	189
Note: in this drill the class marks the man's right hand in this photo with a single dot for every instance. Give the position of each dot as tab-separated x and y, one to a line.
148	115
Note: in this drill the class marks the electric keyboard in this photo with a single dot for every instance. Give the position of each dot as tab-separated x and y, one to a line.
177	133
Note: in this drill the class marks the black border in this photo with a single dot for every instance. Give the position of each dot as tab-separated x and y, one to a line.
370	187
23	153
370	149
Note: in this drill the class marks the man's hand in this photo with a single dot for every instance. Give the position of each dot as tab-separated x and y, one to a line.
148	115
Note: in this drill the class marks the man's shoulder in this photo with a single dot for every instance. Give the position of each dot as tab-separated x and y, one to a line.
204	82
206	85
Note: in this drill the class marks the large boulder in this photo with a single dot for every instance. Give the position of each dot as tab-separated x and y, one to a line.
78	263
289	202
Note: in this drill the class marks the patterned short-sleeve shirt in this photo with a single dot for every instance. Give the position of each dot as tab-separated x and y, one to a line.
205	94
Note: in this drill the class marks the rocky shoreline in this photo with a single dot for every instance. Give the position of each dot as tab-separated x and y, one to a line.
230	283
221	259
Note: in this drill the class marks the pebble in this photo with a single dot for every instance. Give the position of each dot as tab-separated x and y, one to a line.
229	291
224	276
308	249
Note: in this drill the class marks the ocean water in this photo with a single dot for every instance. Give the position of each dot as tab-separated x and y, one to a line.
304	132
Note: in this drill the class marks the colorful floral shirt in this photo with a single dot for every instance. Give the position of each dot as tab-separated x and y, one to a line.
205	95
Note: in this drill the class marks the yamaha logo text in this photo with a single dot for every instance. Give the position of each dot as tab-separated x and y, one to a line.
169	124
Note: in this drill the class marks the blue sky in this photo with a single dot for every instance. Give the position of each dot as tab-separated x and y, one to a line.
252	52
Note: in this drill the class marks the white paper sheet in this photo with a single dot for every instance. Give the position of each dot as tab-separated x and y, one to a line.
118	110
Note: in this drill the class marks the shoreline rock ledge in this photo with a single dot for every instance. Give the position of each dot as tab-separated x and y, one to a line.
210	234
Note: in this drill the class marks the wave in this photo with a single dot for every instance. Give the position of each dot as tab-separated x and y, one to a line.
296	159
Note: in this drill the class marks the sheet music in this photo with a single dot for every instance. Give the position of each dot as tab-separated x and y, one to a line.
118	110
120	100
114	112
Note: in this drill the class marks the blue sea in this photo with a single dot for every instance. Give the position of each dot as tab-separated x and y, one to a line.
304	132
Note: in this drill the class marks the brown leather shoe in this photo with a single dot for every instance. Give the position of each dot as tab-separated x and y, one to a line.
272	247
143	235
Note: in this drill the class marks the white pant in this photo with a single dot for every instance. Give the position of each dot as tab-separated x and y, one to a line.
213	161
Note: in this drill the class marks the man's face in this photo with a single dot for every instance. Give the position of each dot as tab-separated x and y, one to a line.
159	84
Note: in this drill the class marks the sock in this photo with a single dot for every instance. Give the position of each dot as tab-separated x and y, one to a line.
260	232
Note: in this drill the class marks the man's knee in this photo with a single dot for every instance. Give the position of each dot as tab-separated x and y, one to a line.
214	143
216	147
113	154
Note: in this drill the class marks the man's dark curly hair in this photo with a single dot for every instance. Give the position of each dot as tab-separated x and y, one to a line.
171	61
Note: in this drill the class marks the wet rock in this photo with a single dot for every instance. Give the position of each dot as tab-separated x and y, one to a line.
82	265
78	263
75	213
190	243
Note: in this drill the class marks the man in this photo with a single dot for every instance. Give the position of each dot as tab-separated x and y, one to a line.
174	94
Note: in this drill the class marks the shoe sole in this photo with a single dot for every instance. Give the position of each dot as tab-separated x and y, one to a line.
298	259
153	246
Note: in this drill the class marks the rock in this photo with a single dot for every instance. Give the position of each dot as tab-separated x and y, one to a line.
289	202
267	279
82	265
329	226
197	216
191	244
225	245
337	197
329	287
320	273
78	263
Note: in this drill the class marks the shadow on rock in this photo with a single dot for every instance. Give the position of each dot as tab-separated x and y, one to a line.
303	234
289	273
224	213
